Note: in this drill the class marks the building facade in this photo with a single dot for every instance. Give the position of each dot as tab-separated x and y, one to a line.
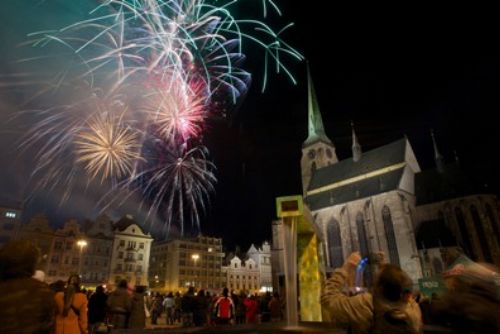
179	264
66	256
39	231
365	203
437	260
242	275
262	258
467	216
100	251
278	256
130	253
380	201
469	222
10	223
97	253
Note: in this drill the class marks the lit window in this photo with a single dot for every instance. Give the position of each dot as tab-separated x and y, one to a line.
10	214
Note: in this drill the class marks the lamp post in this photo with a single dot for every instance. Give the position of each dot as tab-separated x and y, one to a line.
195	258
81	243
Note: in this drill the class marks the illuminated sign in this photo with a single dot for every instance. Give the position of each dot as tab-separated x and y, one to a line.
289	206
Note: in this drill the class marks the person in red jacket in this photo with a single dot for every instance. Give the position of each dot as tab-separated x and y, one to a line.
224	308
251	309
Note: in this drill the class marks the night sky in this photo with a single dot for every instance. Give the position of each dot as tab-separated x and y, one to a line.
393	71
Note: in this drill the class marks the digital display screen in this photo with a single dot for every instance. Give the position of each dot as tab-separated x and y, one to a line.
289	206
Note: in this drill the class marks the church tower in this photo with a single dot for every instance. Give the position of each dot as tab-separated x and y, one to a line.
317	151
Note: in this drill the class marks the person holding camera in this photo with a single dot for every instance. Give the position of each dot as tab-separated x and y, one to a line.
386	310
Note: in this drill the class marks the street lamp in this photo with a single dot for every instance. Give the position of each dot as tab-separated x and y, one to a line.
81	243
195	258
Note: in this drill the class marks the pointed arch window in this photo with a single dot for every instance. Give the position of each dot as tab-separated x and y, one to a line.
493	221
437	265
478	224
334	244
462	227
363	246
362	239
313	167
389	234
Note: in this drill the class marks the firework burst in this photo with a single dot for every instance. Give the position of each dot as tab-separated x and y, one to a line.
177	109
107	146
168	62
176	182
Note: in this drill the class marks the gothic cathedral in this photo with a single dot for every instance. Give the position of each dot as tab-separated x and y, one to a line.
369	203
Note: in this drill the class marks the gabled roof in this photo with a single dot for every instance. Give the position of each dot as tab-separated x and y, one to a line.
378	171
434	186
434	233
353	191
125	222
252	249
375	159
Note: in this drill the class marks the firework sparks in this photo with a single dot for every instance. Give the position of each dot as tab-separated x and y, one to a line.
107	146
170	62
177	109
177	182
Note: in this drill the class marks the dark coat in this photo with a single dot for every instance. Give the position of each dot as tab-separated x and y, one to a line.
97	307
137	314
27	306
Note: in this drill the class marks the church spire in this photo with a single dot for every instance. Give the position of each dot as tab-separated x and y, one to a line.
356	148
316	130
317	150
437	156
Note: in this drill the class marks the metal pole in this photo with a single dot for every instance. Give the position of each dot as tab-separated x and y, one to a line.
290	245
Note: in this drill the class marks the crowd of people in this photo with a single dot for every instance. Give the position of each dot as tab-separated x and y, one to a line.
28	305
471	303
200	308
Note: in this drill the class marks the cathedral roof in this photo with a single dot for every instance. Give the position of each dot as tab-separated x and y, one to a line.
435	185
373	160
433	234
356	190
